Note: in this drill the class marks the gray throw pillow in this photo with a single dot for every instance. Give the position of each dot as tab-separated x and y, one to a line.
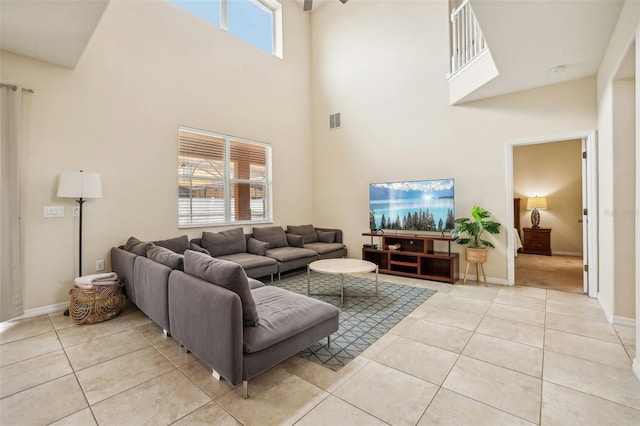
274	235
327	236
226	274
224	243
295	240
177	244
136	246
195	247
167	257
307	231
257	247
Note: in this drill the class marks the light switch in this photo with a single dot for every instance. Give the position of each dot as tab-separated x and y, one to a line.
54	211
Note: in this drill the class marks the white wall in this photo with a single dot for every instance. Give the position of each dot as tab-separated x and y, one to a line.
383	65
149	67
627	32
611	285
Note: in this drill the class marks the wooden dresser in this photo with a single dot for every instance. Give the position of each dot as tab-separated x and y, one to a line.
537	241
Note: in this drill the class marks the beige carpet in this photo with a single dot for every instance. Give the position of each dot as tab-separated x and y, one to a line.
563	273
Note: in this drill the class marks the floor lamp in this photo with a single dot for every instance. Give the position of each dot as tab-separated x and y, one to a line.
80	185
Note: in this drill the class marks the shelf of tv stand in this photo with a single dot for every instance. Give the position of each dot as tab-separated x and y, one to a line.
415	258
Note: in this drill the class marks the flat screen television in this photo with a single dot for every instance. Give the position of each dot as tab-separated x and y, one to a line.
420	205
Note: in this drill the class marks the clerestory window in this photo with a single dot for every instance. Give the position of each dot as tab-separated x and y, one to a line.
222	179
257	21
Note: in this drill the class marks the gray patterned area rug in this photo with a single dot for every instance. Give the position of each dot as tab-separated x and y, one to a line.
363	320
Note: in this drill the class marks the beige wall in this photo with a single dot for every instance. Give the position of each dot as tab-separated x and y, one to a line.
624	212
552	170
149	67
614	287
383	65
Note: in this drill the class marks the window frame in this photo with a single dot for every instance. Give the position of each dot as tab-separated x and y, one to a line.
275	7
229	181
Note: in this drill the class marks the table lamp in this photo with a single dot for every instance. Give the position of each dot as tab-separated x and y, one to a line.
534	204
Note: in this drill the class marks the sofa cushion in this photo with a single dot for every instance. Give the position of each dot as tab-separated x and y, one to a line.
136	246
283	314
322	248
225	242
295	240
249	261
257	247
195	247
165	256
177	244
253	283
326	236
285	254
308	232
224	273
274	235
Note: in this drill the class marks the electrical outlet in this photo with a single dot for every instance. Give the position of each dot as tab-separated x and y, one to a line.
99	265
53	211
76	211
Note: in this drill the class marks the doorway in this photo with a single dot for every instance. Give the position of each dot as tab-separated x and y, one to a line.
554	170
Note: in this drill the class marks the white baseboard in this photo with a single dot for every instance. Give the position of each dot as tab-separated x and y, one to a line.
607	313
30	313
490	280
629	322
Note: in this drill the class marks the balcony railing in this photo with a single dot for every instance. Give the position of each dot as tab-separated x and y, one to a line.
467	41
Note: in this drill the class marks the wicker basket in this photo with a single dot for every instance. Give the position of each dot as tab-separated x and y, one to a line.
478	255
98	304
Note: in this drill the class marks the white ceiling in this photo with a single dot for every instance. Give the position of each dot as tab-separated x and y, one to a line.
529	37
526	37
54	31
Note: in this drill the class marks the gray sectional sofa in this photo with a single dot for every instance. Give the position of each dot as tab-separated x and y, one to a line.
235	324
269	250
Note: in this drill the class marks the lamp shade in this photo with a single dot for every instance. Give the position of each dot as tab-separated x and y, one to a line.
80	185
536	203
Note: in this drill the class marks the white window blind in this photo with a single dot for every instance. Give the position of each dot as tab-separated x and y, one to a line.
222	179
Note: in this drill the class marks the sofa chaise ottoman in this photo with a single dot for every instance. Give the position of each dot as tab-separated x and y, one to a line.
237	331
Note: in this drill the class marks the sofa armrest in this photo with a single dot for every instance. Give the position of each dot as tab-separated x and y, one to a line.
122	264
152	280
207	319
337	231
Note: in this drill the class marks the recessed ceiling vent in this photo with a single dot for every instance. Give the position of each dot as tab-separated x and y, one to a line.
335	122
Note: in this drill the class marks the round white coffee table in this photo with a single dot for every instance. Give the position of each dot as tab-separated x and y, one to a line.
341	267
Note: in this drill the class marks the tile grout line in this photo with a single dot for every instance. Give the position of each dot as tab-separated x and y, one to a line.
75	375
544	337
461	354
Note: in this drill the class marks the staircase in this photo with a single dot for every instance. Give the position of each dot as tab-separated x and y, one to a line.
471	63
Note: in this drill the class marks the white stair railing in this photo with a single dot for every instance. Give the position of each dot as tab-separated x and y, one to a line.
467	41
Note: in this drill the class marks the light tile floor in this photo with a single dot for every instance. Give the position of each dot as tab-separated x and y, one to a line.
469	355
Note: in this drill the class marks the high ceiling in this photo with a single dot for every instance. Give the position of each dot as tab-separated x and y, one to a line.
526	38
54	31
529	38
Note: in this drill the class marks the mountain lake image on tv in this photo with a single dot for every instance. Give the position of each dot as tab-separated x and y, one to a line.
422	205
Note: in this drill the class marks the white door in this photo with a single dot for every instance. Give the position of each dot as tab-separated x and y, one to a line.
590	219
585	218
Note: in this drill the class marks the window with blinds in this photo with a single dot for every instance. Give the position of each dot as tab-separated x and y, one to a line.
222	179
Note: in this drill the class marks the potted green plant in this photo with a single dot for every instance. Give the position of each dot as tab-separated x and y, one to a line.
469	232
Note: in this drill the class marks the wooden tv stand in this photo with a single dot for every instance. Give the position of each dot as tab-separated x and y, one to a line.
414	258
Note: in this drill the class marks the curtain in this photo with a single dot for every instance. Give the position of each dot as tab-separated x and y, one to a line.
11	274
